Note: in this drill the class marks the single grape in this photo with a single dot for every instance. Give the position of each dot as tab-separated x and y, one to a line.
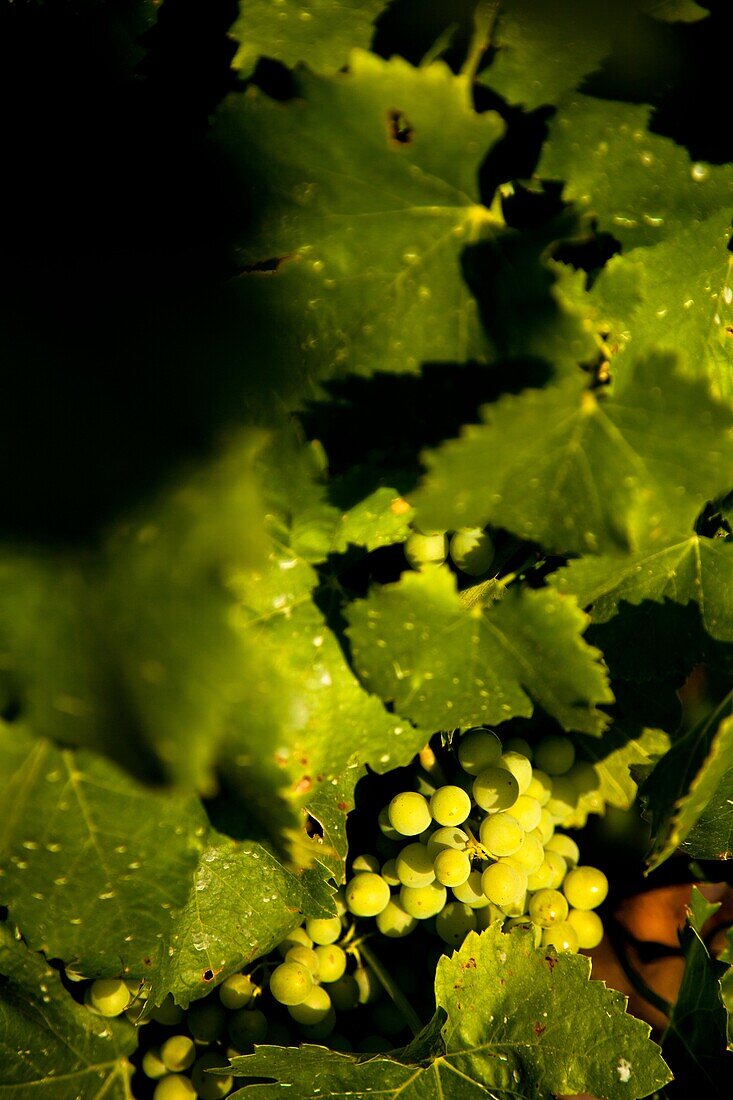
207	1019
362	863
555	755
585	887
168	1012
504	884
495	789
550	875
472	551
394	921
290	983
367	894
304	955
247	1026
174	1087
297	936
528	812
109	996
471	892
178	1053
450	805
454	922
540	879
387	830
341	1043
313	1009
389	872
540	786
487	915
588	927
501	834
519	766
565	846
584	777
206	1085
344	993
331	961
387	1018
451	867
546	825
563	800
374	1044
237	991
278	1035
152	1065
415	866
530	854
369	986
426	550
477	750
316	1033
562	937
448	837
328	929
409	813
548	907
340	903
422	902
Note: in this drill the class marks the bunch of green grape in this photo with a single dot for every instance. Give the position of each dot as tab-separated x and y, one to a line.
485	848
471	550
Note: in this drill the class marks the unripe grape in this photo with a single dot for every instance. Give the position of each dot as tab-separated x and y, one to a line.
555	755
290	983
551	874
341	1043
546	825
174	1087
426	550
451	867
344	993
206	1085
237	991
389	873
528	812
503	884
316	1033
374	1044
562	937
109	996
584	777
472	551
304	955
519	766
454	922
331	961
152	1065
495	789
313	1009
588	927
448	837
422	902
362	863
585	887
477	750
206	1019
178	1053
501	834
541	878
367	894
339	902
530	854
450	805
565	846
414	866
395	921
168	1013
297	936
548	907
471	892
409	813
327	929
387	1018
368	985
540	786
487	915
563	800
386	828
247	1026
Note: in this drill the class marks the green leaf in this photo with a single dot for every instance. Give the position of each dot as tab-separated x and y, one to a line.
54	1048
689	793
619	749
578	470
676	11
445	665
365	189
518	1022
321	33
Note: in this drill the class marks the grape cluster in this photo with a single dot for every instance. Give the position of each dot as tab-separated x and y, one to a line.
485	848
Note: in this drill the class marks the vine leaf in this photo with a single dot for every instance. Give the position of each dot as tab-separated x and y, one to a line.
57	1048
577	470
515	1021
615	753
445	665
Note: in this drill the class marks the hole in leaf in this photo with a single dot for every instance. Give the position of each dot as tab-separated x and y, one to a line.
399	129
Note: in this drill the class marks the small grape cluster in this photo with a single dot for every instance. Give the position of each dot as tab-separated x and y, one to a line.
490	839
471	549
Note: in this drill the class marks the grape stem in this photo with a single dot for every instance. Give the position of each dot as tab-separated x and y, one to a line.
392	989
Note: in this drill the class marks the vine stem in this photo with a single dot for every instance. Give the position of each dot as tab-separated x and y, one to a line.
484	19
641	987
411	1017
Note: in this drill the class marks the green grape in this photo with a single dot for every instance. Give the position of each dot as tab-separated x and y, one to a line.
495	789
394	921
472	551
178	1053
448	837
174	1087
487	915
548	907
387	830
206	1085
501	834
450	805
247	1026
415	866
540	786
422	902
471	892
527	812
152	1065
344	993
541	878
387	1018
237	991
109	996
550	875
546	825
369	987
207	1019
374	1044
451	867
562	937
584	778
426	550
167	1013
367	894
389	873
409	813
278	1035
328	929
565	846
316	1033
313	1009
518	744
585	887
564	799
454	922
362	863
504	884
290	983
331	961
555	755
297	936
340	903
341	1043
477	750
588	927
519	766
305	955
530	854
